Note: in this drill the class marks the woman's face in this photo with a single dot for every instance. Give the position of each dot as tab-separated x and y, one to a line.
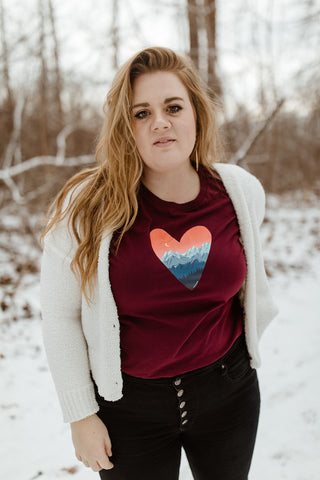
164	122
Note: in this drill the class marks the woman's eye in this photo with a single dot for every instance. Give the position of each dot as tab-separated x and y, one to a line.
141	115
174	108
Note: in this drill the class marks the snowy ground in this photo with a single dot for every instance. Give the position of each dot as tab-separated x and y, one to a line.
35	443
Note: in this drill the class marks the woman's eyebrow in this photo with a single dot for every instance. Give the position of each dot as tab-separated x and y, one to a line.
171	99
167	100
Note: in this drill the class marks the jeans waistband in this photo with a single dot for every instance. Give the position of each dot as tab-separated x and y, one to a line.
237	345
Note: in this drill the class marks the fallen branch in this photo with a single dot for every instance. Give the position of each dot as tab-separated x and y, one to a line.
44	160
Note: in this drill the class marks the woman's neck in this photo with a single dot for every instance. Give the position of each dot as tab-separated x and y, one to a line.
179	186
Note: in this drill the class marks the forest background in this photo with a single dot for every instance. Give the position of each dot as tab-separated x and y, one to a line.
261	59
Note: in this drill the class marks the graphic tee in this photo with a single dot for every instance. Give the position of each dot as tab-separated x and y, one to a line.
175	279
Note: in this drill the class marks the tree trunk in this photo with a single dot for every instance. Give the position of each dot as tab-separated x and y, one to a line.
193	32
58	81
5	57
115	33
210	26
43	84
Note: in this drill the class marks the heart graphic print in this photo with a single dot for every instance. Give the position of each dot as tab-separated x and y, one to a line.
186	258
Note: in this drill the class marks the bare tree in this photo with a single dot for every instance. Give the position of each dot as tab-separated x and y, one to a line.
211	32
7	100
44	87
115	33
202	19
193	32
57	86
5	56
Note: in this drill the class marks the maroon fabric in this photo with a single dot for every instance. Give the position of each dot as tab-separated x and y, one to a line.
175	280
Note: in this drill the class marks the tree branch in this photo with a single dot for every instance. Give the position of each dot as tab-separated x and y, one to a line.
256	133
13	189
13	149
62	142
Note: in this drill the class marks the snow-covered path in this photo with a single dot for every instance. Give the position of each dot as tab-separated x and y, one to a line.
34	443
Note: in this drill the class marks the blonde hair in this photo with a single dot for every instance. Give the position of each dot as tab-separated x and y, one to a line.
107	197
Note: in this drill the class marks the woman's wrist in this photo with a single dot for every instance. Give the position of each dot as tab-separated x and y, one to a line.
82	420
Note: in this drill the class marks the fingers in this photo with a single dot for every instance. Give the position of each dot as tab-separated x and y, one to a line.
78	457
104	461
107	444
85	462
96	466
105	465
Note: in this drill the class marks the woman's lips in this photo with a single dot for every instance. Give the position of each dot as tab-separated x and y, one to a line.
164	142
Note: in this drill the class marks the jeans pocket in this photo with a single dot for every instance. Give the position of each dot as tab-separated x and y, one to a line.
236	366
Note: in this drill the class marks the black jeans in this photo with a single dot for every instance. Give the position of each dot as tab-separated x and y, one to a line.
211	412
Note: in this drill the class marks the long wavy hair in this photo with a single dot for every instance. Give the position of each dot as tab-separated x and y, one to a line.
104	198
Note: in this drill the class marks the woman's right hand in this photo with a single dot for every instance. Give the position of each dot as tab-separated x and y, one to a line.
92	443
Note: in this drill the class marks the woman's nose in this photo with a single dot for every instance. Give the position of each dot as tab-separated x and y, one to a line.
160	122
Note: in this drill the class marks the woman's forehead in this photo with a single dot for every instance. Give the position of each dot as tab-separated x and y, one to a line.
158	86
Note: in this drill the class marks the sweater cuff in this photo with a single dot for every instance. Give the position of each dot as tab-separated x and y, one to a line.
78	404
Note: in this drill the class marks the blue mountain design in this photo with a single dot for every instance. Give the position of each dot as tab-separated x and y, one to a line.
187	267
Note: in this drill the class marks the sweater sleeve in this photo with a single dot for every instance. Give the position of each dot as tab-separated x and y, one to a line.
63	337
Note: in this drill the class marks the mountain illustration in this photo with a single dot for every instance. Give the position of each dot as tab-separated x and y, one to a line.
187	267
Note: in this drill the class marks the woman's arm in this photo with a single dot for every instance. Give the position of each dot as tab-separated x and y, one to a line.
63	337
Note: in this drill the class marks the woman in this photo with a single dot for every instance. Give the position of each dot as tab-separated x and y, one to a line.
154	294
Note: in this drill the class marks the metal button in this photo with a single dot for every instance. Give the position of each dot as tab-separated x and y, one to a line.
184	422
183	414
177	382
180	393
182	404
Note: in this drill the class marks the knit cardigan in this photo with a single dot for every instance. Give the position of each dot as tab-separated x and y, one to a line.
83	338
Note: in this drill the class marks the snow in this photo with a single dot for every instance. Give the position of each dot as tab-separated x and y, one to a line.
35	443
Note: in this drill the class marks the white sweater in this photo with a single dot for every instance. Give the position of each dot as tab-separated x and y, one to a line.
80	338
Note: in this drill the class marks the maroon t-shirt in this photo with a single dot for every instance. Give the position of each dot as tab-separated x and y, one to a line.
175	280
